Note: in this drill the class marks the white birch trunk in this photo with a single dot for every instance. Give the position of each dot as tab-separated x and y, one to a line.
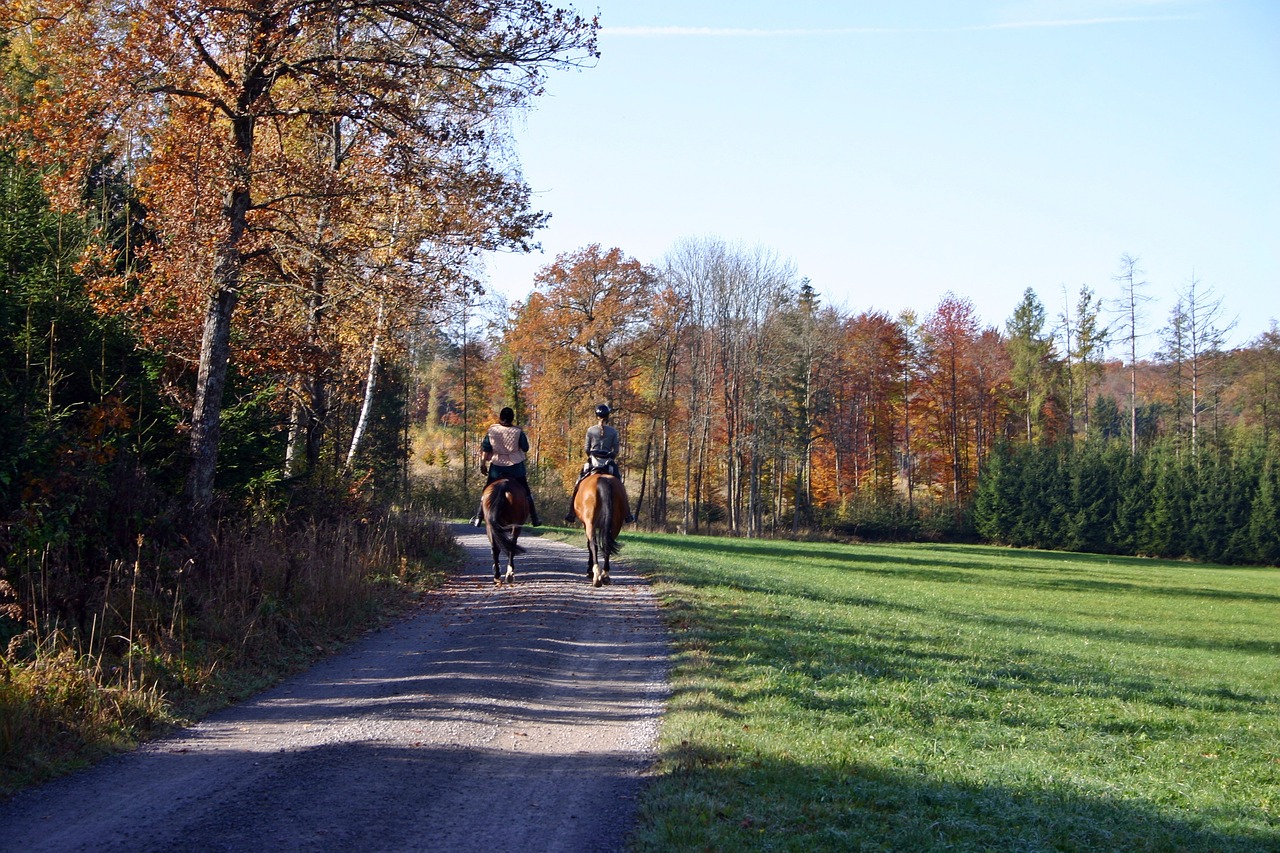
369	388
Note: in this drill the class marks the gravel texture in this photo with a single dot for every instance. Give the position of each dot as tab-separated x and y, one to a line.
515	719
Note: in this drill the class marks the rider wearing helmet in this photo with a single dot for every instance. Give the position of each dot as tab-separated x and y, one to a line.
502	457
602	447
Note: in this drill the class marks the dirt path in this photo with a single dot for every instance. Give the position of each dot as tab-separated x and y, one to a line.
519	719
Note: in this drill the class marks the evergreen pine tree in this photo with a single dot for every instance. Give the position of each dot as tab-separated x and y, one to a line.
1242	491
1264	518
1164	530
991	507
1096	480
1210	483
1054	506
1134	482
1024	501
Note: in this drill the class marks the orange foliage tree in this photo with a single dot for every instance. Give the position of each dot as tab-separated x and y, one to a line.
261	133
868	407
582	335
964	395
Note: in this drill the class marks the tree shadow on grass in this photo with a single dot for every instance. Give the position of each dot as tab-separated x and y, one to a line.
727	803
876	653
853	596
980	565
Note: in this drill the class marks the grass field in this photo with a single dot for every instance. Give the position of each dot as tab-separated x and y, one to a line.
941	697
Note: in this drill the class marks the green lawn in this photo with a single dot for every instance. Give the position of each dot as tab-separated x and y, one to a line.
942	697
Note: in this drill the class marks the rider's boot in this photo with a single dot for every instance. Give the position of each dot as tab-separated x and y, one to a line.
478	518
570	517
533	512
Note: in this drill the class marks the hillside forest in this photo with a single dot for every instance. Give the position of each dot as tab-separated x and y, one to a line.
242	308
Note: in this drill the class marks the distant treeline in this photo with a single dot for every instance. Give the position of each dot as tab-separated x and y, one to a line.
749	407
1220	505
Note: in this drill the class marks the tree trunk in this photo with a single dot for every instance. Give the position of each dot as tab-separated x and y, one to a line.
215	353
370	387
215	343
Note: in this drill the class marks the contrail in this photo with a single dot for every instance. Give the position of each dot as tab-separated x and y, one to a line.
748	32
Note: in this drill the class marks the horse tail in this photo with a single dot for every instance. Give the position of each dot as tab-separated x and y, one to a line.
604	492
497	506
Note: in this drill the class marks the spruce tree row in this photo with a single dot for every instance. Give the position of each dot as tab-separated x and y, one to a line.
1219	505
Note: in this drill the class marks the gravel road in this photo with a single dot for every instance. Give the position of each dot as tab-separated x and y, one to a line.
518	719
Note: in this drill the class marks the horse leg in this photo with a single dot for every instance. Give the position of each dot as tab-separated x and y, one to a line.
591	556
497	555
511	556
597	575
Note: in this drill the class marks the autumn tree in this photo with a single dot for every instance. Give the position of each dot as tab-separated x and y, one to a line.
657	395
689	272
214	99
585	321
728	374
868	418
1256	390
990	394
950	334
748	291
911	370
584	334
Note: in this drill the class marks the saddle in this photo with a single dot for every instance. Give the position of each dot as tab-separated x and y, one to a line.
601	465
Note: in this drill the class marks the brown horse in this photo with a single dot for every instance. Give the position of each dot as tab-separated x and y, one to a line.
602	505
506	509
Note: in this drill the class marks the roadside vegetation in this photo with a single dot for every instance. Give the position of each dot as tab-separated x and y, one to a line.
949	697
154	643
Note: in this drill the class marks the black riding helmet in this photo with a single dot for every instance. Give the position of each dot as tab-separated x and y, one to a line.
602	411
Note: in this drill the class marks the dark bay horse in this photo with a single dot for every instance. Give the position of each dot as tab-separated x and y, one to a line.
506	509
602	505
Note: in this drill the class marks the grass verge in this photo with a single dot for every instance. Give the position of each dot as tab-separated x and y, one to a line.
931	697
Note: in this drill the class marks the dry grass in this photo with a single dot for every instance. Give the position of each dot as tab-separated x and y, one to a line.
93	668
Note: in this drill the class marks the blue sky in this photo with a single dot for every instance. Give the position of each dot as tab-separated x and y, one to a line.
895	151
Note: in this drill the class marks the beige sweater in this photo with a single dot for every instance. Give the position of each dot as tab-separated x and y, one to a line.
505	441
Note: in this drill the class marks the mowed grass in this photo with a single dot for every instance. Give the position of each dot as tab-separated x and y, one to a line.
918	697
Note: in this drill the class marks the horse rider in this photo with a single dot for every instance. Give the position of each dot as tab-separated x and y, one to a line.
602	447
502	455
